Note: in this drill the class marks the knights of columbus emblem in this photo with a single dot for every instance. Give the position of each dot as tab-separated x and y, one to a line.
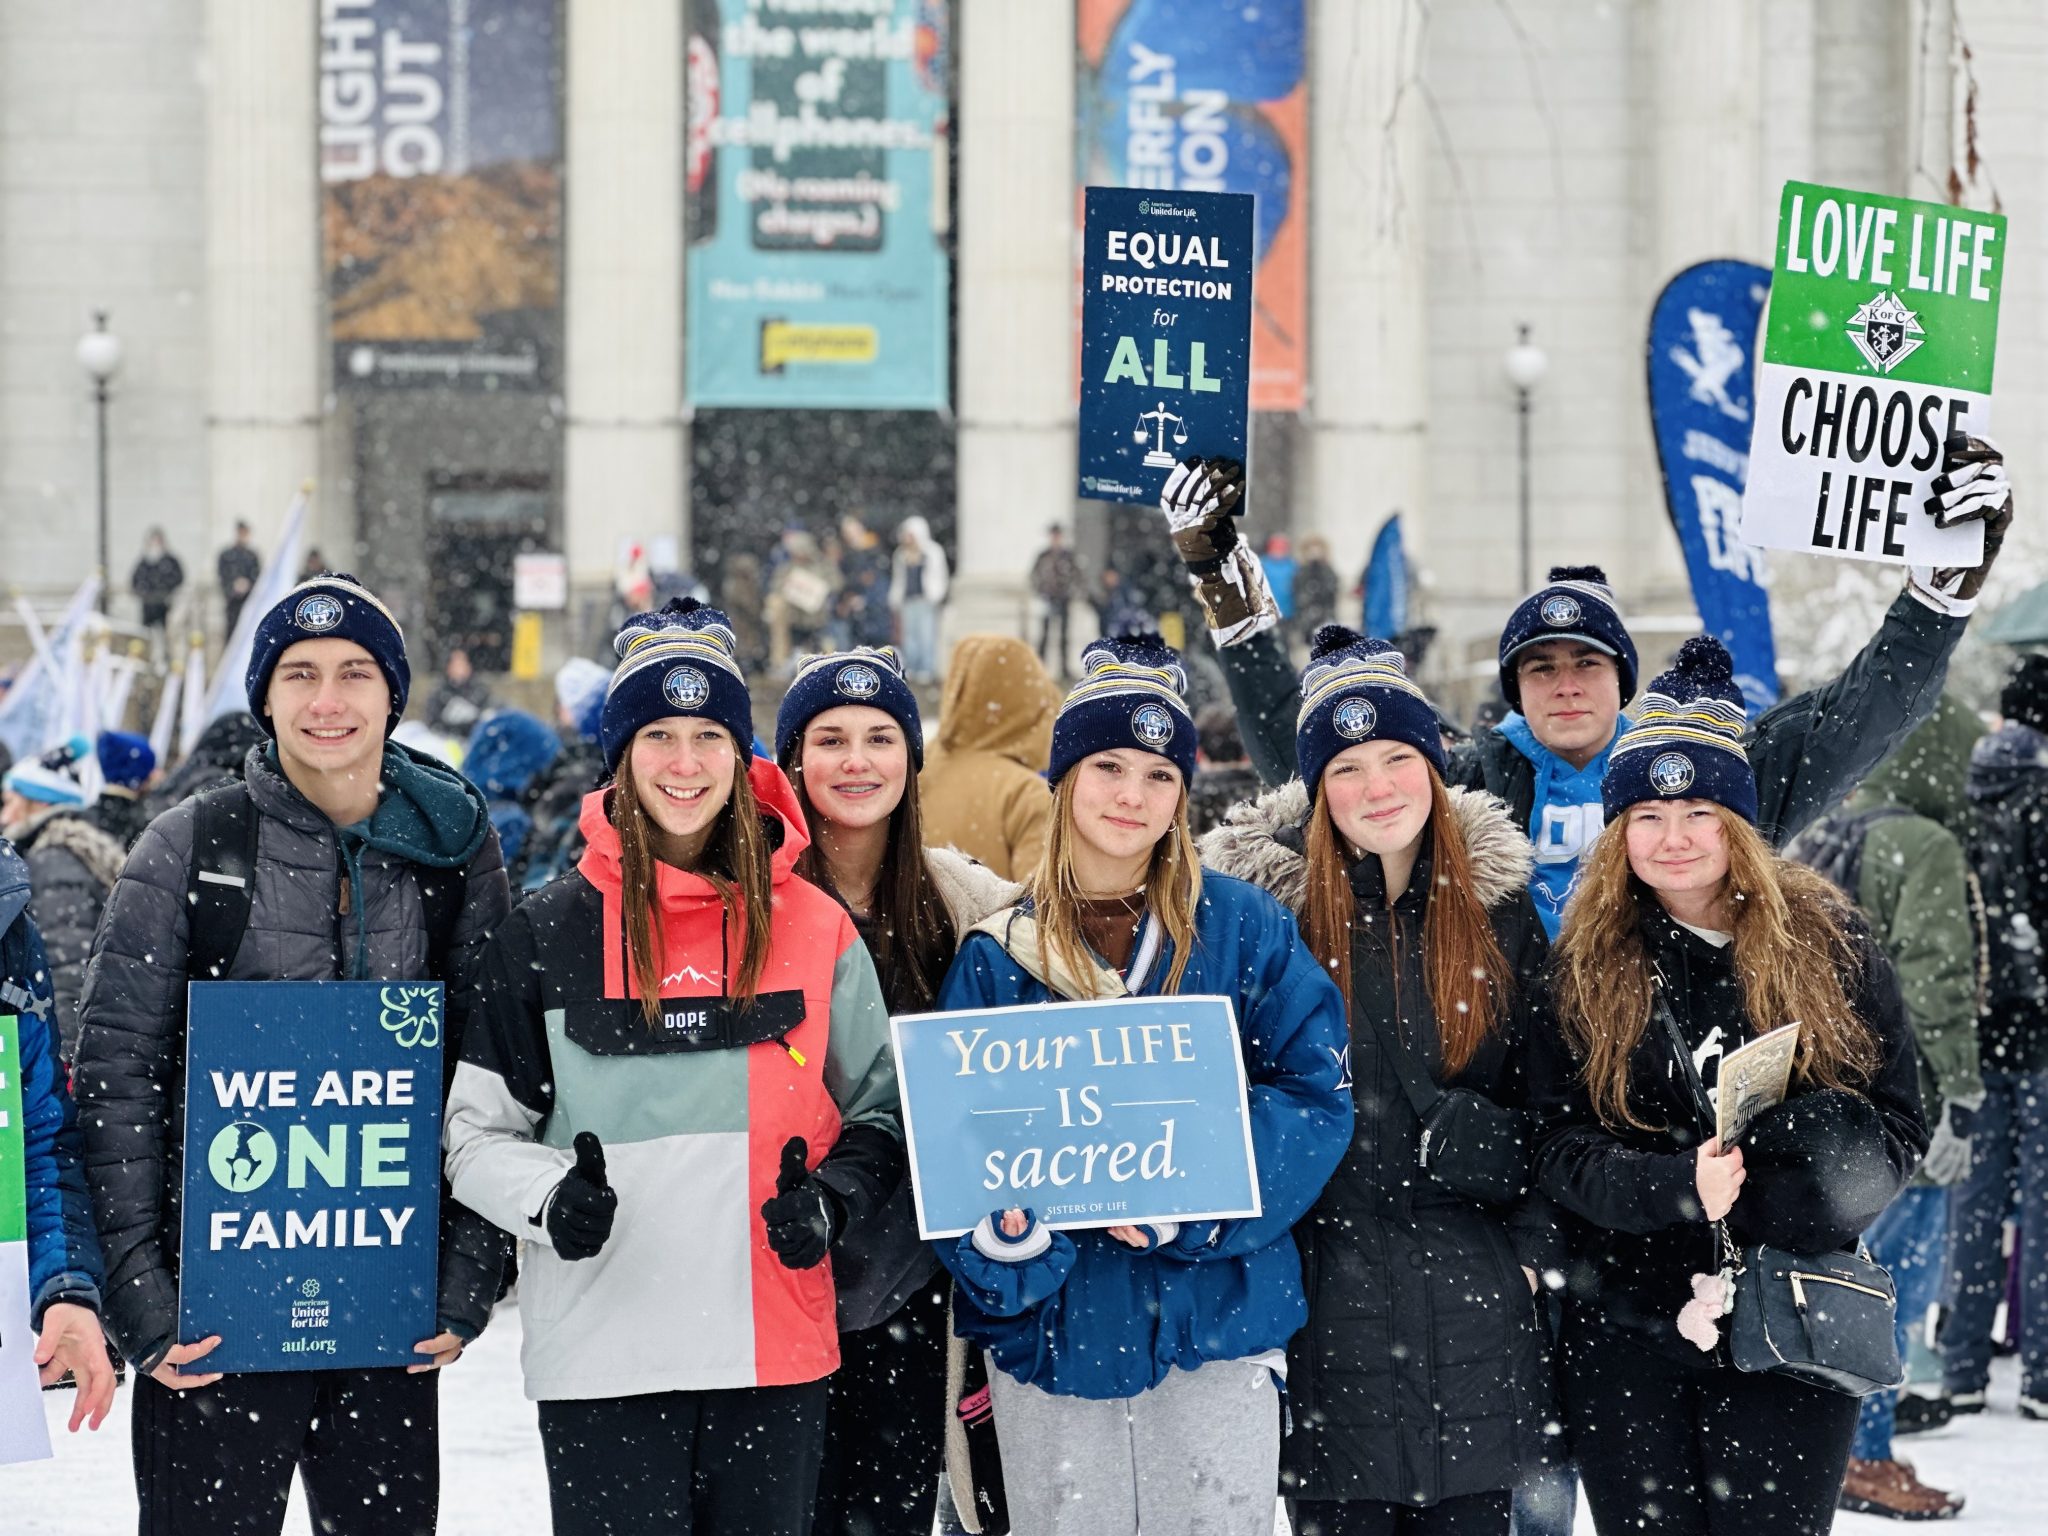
1886	332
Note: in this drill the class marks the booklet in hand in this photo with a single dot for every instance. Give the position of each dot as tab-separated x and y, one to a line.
1753	1079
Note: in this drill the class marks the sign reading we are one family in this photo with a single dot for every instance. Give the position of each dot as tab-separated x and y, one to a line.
1092	1114
1880	341
1166	335
311	1233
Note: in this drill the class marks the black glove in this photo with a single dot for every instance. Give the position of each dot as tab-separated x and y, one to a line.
580	1211
1972	485
1199	499
803	1219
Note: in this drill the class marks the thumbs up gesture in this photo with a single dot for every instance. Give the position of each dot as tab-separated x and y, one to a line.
578	1217
804	1218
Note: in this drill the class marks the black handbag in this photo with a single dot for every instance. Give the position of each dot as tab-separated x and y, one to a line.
1469	1143
1828	1319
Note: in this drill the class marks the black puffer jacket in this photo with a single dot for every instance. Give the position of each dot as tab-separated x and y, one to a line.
130	1072
72	865
1422	1374
1820	1166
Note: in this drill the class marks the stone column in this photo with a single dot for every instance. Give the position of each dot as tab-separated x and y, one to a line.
626	442
1368	279
266	368
1015	276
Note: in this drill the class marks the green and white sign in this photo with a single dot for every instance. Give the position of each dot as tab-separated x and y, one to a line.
1879	341
23	1435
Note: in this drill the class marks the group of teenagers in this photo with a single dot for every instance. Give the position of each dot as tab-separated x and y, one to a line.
1472	987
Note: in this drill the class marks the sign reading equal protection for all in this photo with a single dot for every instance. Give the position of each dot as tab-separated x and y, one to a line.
311	1231
1880	341
1166	335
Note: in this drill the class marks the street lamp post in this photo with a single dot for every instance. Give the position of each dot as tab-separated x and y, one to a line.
99	354
1525	365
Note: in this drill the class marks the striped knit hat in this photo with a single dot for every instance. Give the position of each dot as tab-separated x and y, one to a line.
1686	743
870	675
1576	604
1357	689
1132	693
677	661
329	607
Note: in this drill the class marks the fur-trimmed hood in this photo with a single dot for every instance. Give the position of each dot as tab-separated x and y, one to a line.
1249	844
969	888
65	830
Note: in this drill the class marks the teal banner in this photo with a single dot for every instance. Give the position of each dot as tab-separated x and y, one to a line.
816	177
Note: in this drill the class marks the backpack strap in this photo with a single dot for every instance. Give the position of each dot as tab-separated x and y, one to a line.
220	881
441	894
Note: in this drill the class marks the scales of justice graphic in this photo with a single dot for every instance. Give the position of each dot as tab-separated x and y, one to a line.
1159	458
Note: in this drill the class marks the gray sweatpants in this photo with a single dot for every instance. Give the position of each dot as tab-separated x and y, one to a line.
1198	1455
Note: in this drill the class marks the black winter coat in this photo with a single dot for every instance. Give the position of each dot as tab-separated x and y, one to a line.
1423	1373
72	865
1820	1166
129	1077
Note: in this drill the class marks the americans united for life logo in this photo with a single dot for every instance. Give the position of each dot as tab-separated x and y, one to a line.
1886	332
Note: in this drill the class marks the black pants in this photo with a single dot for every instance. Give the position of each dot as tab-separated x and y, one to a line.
219	1460
1689	1451
677	1463
1056	616
1475	1514
885	1428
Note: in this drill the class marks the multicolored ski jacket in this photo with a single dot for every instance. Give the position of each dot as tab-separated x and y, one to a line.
686	1294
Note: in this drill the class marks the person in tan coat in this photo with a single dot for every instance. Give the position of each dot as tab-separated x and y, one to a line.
982	787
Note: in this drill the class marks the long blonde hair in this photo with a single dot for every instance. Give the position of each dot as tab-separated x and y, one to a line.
737	862
1793	958
1173	885
1464	969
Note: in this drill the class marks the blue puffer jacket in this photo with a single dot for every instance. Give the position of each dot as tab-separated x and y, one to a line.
63	1251
1088	1316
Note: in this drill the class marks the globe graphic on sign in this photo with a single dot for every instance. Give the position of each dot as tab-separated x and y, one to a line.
242	1156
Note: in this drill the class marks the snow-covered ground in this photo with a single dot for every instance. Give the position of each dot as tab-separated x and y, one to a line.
492	1482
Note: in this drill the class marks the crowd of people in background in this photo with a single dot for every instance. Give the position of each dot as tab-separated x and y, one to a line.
1484	983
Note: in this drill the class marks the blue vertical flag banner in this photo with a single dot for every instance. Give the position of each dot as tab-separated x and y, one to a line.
1702	359
1092	1114
1386	582
816	197
311	1232
441	192
1166	327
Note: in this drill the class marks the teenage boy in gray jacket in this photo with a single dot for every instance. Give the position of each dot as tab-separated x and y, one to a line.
355	841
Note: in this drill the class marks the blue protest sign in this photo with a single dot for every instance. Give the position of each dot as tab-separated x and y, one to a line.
1702	359
312	1172
1166	328
1093	1114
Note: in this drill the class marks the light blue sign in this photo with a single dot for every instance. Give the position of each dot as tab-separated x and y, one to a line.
312	1211
814	182
1092	1114
1166	335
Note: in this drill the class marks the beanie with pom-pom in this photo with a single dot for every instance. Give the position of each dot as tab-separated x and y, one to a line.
678	660
1132	693
1577	603
1357	689
1686	743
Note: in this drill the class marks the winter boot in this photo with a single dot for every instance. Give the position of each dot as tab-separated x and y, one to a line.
2034	1407
1918	1415
1890	1489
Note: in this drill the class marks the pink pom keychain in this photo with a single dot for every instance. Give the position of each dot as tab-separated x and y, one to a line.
1713	1298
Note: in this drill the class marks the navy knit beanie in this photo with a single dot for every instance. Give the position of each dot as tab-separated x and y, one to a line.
1577	603
867	675
676	661
1686	742
126	759
1357	689
329	607
1132	693
2024	698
